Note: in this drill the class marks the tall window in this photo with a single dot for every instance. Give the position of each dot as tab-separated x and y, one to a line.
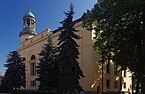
107	83
33	68
33	83
108	68
124	85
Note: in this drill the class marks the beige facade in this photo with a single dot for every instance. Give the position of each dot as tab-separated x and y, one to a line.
31	45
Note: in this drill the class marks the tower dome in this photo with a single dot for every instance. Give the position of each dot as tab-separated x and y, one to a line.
28	31
29	14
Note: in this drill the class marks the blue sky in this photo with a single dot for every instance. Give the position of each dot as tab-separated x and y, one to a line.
47	12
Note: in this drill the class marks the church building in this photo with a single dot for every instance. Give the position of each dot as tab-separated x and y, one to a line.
95	80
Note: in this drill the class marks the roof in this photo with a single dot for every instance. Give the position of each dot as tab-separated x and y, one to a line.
27	31
29	14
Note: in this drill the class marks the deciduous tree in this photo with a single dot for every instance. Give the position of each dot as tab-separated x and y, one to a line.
120	32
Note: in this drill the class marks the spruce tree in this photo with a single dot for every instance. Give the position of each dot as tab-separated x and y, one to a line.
46	69
14	77
69	69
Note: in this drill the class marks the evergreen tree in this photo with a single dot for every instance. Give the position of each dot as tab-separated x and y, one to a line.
47	70
69	69
14	77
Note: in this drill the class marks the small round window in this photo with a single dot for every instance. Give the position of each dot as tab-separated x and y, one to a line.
24	59
33	57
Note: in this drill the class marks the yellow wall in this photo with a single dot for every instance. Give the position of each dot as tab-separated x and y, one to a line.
88	59
34	46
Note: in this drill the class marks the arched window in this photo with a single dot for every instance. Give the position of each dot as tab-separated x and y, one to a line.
33	66
33	57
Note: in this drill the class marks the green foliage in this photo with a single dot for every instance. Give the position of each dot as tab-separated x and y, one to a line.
46	69
69	70
14	76
120	33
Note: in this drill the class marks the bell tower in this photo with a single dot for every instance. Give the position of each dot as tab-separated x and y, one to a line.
28	31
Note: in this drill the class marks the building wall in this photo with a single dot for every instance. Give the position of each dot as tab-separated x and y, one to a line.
33	46
88	60
30	47
127	81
